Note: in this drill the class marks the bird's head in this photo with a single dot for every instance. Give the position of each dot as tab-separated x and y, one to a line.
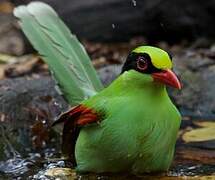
153	61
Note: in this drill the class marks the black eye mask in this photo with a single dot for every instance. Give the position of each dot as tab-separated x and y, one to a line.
132	63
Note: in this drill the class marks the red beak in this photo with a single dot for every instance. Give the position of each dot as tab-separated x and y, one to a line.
167	77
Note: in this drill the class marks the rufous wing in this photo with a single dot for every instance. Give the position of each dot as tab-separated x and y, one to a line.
73	120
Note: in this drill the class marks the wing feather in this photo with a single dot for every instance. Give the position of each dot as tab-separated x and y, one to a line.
73	120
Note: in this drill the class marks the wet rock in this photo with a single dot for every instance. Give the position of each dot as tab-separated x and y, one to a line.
69	174
28	108
19	96
197	73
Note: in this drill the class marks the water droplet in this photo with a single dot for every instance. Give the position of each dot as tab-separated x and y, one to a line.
51	165
134	2
161	24
61	163
56	104
192	167
113	26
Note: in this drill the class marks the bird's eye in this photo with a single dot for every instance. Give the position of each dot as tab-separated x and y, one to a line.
142	63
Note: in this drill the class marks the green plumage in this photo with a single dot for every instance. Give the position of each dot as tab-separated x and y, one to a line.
138	126
66	57
138	132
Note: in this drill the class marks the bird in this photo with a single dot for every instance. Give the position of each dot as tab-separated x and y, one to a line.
130	125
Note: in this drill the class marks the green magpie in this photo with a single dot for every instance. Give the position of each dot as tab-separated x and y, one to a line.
129	126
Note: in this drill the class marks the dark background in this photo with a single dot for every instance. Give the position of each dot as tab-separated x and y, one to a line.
119	20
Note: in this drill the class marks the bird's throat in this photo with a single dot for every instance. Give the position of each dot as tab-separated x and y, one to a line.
133	83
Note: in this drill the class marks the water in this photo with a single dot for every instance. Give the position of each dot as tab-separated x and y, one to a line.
134	2
20	160
36	168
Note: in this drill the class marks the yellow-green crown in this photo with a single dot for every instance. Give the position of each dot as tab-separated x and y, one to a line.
160	58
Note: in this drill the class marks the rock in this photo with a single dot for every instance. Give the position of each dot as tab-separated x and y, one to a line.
20	95
109	73
10	37
197	72
28	108
110	20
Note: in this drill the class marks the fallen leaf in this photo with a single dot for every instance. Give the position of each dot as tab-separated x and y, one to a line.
99	62
22	66
61	173
40	134
6	7
206	132
5	58
194	156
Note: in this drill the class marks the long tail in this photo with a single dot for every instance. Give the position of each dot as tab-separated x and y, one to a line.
64	54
